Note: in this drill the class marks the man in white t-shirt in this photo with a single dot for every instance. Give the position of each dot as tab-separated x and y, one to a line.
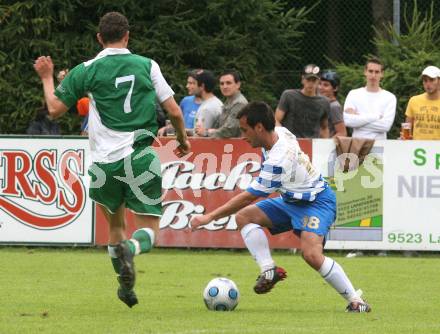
370	110
211	107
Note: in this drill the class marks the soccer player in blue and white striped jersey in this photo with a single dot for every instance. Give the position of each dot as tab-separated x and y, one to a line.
307	205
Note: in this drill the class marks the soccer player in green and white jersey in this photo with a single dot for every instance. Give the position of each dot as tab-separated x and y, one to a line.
125	173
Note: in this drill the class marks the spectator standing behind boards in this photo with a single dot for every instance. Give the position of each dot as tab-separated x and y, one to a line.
302	111
370	110
329	87
211	107
81	107
228	125
191	103
423	111
43	124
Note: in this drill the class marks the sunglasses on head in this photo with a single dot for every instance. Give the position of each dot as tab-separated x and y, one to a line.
311	69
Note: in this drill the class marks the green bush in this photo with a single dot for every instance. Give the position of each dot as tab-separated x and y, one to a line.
252	36
404	56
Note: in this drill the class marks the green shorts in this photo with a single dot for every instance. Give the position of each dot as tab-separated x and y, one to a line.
135	180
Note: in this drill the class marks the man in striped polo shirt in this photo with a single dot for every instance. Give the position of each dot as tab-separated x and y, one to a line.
122	88
307	205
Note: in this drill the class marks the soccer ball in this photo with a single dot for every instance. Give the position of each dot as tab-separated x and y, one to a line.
221	294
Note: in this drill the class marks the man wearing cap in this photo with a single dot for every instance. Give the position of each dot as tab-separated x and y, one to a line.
370	110
329	87
423	111
302	111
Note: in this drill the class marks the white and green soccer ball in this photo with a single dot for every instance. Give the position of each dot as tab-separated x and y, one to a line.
221	294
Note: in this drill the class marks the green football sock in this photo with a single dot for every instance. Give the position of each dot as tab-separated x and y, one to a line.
141	241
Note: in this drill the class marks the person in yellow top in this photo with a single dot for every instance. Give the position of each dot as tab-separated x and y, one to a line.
423	111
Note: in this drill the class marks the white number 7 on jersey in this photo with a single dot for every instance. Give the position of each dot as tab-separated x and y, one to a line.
127	78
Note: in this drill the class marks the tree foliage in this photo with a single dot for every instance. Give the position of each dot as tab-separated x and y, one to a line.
405	56
252	36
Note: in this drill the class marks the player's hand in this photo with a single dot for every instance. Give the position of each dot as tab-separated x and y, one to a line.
44	67
198	221
183	149
161	131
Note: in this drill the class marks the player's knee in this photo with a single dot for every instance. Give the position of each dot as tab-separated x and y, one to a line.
312	257
241	219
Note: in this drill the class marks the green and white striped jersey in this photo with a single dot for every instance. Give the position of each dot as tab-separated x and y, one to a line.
122	88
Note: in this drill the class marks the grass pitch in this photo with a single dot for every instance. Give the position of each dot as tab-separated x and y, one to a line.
74	291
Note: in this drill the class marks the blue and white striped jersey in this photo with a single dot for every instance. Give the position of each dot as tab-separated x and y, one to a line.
287	170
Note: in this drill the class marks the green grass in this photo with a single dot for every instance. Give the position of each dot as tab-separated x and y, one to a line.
74	291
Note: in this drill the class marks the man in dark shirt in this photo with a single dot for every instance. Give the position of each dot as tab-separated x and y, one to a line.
302	111
329	87
42	124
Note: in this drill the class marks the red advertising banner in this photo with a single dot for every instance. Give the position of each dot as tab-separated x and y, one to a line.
213	173
43	191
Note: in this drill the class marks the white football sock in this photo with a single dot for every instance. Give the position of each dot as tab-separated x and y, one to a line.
258	245
333	273
111	249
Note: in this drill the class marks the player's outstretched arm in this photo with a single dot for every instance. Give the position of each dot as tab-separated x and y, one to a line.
176	118
232	206
44	67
